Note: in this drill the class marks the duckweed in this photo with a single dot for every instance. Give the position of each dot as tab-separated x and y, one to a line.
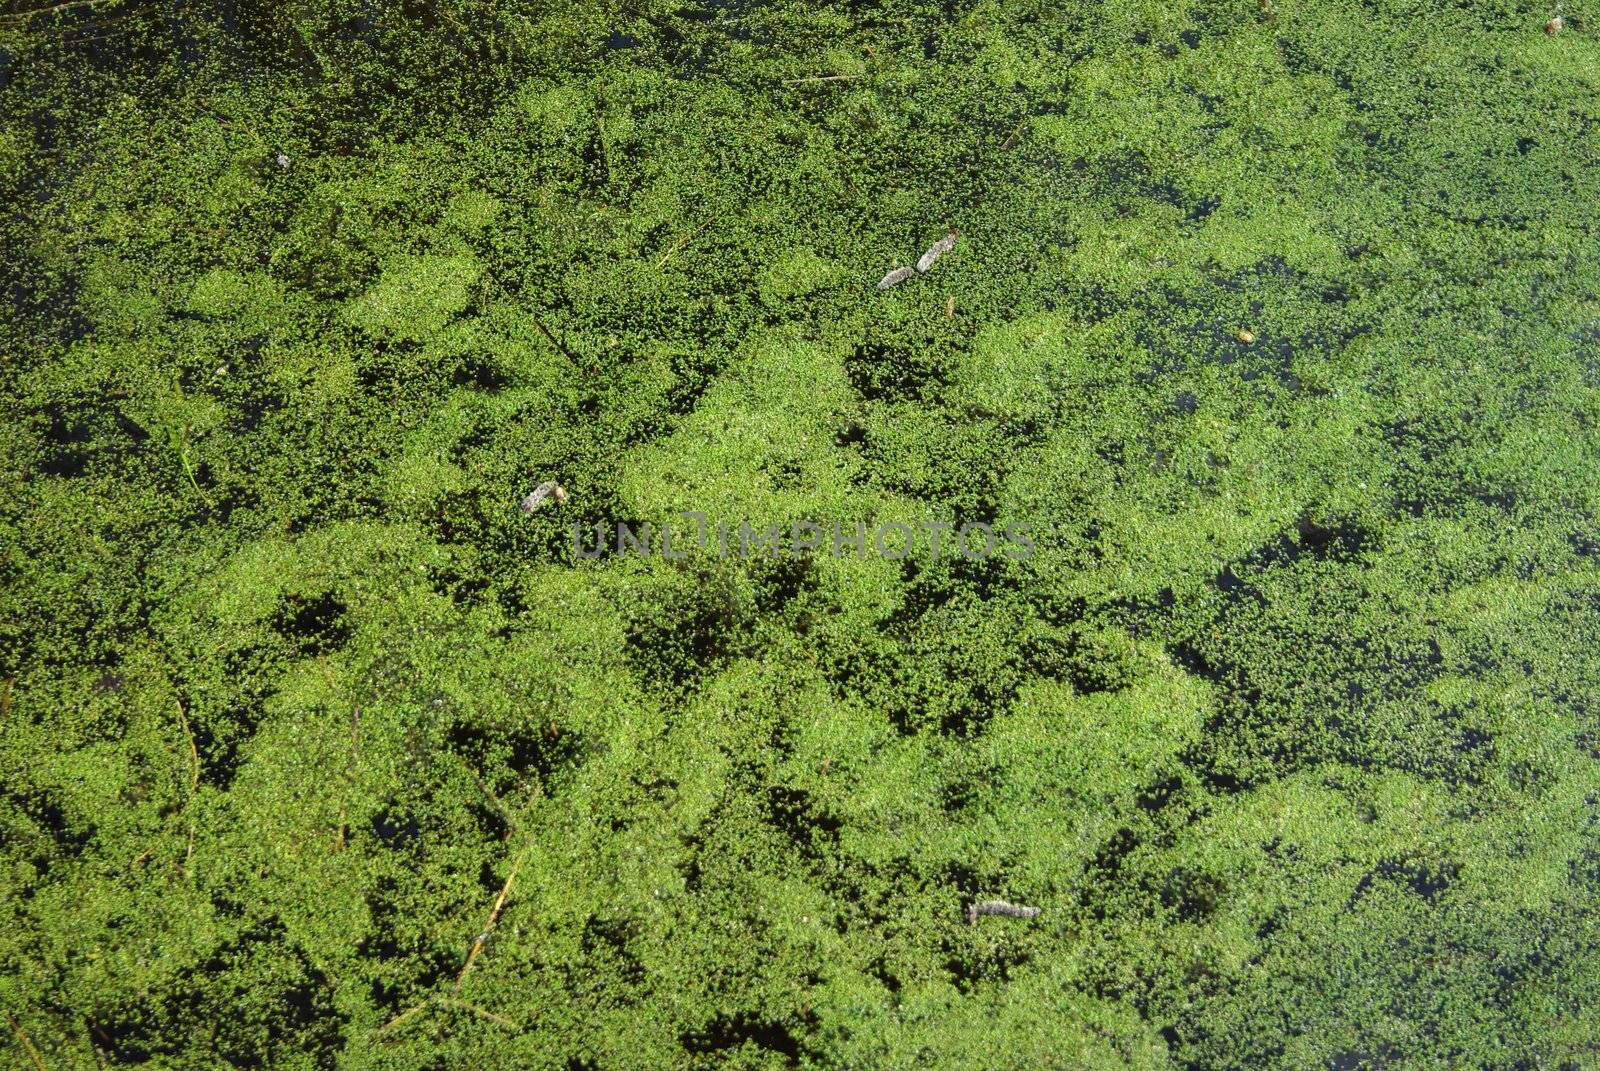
1278	325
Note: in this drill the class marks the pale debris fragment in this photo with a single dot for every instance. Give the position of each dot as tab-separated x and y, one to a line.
937	250
998	907
282	160
899	275
548	489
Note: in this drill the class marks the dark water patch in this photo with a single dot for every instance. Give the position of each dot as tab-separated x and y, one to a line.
1191	895
726	1033
466	588
1421	879
780	581
1380	1056
607	944
396	828
794	813
313	624
45	810
1142	616
1104	871
1155	797
538	752
1125	177
427	963
695	626
226	997
1340	541
68	434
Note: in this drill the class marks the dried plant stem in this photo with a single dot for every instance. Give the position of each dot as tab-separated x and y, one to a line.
194	751
556	342
483	1012
26	1041
681	242
12	17
410	1013
194	785
494	916
454	1002
1011	138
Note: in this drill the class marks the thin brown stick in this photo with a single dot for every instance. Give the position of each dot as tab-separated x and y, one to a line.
52	9
94	1028
194	785
27	1042
681	242
194	752
483	937
414	1010
486	1013
1011	138
554	341
821	78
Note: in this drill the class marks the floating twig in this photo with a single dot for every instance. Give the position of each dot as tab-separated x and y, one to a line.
821	78
536	498
899	275
484	1012
488	927
194	752
418	1008
998	907
27	1042
194	784
937	250
405	1016
1011	138
554	341
681	242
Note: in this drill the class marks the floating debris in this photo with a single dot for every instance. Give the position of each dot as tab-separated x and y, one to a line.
1245	336
899	275
282	160
1553	27
937	250
546	490
998	907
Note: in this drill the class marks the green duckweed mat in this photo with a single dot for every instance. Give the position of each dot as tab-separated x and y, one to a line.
1275	326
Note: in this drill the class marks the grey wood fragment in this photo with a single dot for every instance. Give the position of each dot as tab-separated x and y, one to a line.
899	275
937	250
546	490
998	907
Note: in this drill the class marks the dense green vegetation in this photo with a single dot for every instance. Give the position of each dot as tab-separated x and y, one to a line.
1291	725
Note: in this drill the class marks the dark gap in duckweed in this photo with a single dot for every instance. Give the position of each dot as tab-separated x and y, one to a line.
607	943
313	624
793	812
723	1033
1425	880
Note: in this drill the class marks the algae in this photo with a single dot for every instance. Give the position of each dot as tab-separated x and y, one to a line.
1288	727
